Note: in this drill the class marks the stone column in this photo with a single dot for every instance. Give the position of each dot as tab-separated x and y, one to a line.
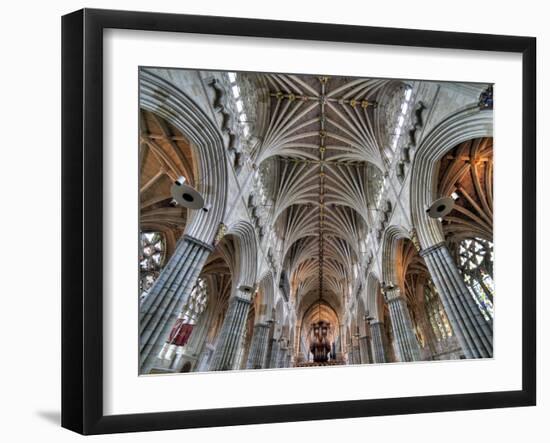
378	342
283	351
351	355
297	338
258	348
406	344
364	344
269	346
159	310
340	349
229	338
474	333
204	358
356	352
274	358
288	359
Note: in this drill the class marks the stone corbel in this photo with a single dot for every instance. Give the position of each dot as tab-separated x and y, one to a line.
417	123
405	154
390	291
220	106
400	171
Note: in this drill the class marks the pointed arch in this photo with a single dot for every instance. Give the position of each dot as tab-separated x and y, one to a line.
164	99
469	123
389	253
246	251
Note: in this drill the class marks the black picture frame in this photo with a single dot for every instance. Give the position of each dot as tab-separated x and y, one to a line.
82	218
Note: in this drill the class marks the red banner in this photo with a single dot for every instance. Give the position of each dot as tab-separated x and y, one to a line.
180	333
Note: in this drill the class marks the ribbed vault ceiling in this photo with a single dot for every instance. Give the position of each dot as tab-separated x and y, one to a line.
324	161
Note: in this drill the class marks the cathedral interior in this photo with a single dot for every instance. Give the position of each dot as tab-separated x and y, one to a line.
304	220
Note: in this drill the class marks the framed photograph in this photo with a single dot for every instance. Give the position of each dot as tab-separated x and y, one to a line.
270	221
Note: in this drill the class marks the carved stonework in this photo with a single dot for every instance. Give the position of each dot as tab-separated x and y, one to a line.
222	230
486	99
414	239
227	125
416	124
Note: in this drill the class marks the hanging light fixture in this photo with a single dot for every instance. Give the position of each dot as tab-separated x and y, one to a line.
441	207
186	195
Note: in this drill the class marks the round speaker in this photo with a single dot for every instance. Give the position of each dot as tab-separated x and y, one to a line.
186	196
441	207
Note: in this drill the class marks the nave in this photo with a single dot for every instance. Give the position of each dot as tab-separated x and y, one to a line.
300	220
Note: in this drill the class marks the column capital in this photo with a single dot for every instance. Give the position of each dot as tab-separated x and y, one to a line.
262	325
430	249
391	292
243	293
198	242
239	298
247	289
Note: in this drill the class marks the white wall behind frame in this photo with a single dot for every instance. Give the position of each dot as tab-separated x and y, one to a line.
30	379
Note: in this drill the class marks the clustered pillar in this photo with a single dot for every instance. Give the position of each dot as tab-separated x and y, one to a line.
288	360
474	333
283	352
378	343
274	357
258	348
355	350
351	355
406	344
166	299
364	344
230	335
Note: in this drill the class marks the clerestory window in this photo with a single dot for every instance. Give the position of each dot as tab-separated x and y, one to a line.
475	262
436	313
151	260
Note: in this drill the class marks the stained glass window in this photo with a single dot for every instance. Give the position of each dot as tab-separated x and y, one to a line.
196	304
475	261
151	260
436	313
397	111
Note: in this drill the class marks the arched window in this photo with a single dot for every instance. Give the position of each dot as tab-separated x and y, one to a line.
151	260
196	304
189	316
436	313
397	111
475	261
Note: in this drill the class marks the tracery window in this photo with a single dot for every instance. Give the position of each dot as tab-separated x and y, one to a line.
239	104
396	113
151	260
196	304
436	313
475	261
